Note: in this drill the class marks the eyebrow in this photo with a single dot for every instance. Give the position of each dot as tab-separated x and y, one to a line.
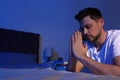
85	25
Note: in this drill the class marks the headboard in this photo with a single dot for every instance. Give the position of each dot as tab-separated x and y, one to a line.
20	42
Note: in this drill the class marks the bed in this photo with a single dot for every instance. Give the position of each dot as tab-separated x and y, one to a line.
19	48
49	74
20	59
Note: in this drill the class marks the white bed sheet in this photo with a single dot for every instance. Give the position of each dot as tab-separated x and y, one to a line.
49	74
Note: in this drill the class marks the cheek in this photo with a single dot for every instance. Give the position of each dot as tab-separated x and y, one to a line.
93	31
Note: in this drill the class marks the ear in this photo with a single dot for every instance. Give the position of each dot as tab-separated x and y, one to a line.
101	22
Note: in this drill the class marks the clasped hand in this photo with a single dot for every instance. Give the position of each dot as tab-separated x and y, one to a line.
78	48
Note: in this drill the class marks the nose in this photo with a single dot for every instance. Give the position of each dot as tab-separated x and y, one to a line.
85	31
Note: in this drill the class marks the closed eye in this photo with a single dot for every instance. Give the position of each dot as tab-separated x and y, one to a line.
88	26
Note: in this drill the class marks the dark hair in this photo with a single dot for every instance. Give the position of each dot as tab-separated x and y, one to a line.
93	13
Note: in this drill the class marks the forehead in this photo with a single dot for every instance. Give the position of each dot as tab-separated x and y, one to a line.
86	21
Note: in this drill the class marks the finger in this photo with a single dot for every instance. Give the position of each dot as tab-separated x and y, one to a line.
80	36
75	36
86	47
70	44
73	40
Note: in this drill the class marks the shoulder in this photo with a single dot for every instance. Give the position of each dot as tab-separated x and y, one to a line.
113	35
113	32
113	38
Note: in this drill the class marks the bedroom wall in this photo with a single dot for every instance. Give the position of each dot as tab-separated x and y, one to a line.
54	19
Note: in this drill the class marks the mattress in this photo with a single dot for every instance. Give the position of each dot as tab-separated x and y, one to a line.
49	74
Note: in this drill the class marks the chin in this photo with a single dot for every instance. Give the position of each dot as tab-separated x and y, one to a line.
90	40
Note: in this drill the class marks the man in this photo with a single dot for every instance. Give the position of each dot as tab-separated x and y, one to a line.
100	50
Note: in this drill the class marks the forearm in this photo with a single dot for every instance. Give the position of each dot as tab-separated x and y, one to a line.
71	64
74	65
99	68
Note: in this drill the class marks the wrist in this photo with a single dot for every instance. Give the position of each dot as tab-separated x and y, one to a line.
83	57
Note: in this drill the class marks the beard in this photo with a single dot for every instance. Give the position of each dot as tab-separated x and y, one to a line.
91	38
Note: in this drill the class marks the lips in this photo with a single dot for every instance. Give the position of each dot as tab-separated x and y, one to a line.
89	37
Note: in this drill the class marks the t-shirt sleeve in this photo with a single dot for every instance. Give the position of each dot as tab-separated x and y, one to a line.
116	45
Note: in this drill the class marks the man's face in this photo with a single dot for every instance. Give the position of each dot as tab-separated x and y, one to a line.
91	28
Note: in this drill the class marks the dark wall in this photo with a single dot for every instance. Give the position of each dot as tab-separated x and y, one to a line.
54	19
